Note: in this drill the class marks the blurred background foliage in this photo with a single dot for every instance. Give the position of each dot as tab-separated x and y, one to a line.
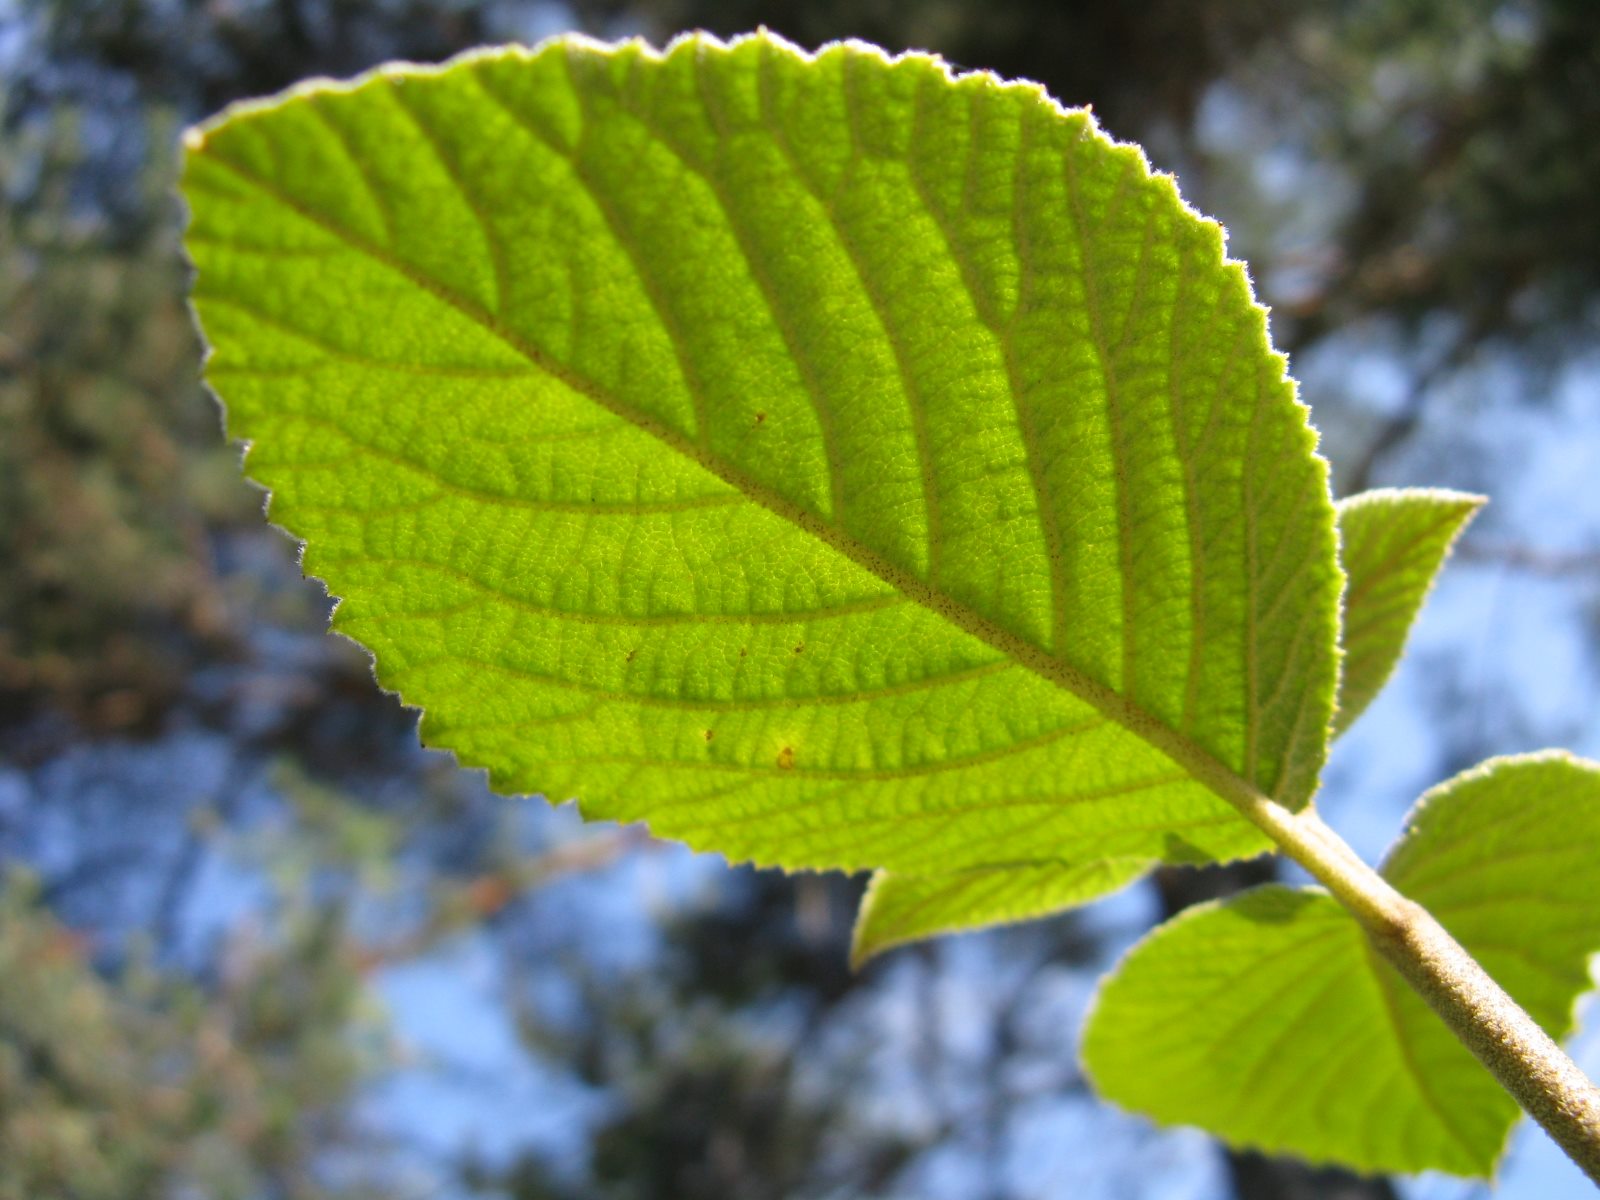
254	942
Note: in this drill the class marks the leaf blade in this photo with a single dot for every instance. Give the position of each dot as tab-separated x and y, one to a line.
906	908
799	633
1393	542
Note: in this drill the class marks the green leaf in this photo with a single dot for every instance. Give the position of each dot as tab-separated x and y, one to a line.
905	908
1392	542
1269	1020
831	461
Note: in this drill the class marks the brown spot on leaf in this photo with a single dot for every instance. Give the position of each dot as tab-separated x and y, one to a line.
786	758
710	733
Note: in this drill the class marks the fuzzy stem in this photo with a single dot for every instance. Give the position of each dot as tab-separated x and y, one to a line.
1526	1060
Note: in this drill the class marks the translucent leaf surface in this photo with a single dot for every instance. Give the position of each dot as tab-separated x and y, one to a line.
1392	542
1269	1020
903	908
834	462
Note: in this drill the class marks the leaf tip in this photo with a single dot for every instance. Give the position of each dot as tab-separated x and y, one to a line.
866	938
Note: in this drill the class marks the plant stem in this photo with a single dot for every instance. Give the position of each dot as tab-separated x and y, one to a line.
1526	1060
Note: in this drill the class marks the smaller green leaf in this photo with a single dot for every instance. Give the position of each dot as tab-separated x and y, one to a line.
1392	542
1269	1020
1264	1019
900	908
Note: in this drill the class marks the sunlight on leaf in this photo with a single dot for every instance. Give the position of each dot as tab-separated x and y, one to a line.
829	460
1392	542
904	908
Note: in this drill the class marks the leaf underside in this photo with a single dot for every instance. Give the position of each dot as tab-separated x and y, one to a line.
1269	1020
834	462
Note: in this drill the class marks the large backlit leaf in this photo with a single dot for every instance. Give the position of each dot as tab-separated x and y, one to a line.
834	462
1269	1019
1392	542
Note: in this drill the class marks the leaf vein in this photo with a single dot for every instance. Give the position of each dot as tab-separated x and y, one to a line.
646	700
699	617
1120	482
494	250
1027	430
915	402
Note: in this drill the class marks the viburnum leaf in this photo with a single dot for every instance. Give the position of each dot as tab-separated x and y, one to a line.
830	460
1268	1018
1392	542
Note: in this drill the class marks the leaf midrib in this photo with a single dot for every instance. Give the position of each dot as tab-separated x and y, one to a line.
1199	763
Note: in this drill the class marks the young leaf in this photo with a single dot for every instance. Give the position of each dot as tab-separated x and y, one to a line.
1269	1020
1392	542
905	908
834	462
